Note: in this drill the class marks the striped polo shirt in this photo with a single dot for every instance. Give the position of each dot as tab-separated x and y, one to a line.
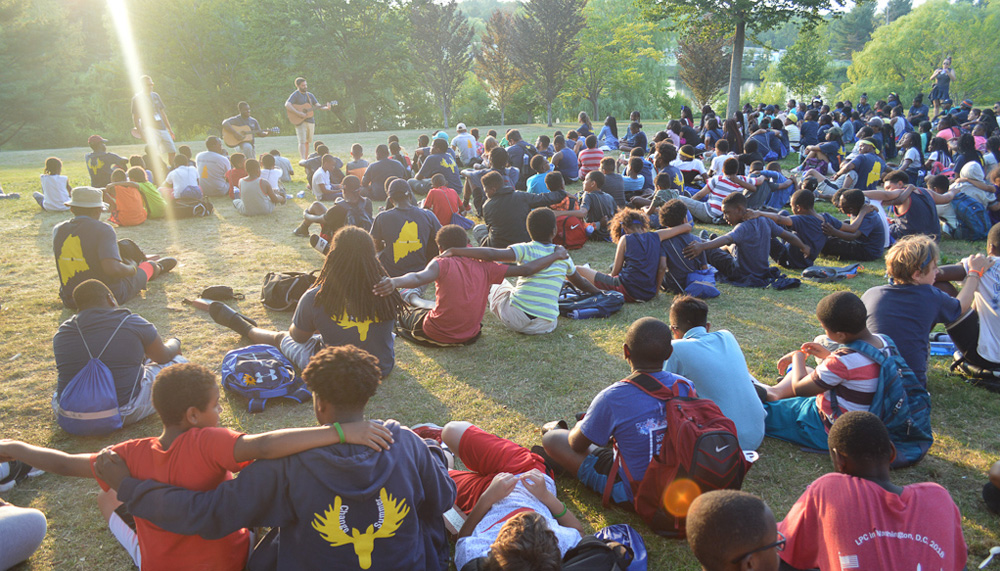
719	188
590	160
538	295
852	376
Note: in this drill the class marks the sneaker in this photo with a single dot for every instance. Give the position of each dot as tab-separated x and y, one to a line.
166	264
427	430
13	473
553	425
761	389
9	195
301	233
318	243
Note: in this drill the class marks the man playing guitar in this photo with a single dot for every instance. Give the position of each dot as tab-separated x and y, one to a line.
300	106
240	130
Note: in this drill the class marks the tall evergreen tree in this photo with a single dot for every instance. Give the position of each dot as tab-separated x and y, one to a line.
441	36
703	56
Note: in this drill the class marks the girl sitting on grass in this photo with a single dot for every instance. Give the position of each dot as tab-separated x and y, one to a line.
55	187
639	264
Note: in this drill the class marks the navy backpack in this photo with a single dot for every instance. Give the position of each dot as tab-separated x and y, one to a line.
261	372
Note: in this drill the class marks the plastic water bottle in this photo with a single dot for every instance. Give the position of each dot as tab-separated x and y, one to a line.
301	194
584	313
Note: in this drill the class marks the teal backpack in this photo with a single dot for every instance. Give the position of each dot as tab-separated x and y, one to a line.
903	404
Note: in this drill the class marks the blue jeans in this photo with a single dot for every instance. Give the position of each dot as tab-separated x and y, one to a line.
796	420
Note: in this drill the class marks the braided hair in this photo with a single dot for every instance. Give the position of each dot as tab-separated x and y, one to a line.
348	275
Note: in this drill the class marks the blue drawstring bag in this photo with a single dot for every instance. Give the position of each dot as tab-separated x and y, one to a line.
626	535
260	373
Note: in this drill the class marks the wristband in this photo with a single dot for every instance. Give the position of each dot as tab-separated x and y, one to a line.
976	272
340	432
562	513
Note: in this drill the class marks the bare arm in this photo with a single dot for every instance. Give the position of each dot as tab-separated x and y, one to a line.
661	272
487	254
533	267
794	240
774	216
288	441
694	248
619	256
160	352
47	459
410	280
298	334
701	194
977	263
274	197
667	233
581	283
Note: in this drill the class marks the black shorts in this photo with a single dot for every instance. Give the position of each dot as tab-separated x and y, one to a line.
410	326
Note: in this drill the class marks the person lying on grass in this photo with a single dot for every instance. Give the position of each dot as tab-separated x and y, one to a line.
194	452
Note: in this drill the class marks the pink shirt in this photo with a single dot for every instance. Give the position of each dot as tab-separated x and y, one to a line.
844	522
590	160
463	285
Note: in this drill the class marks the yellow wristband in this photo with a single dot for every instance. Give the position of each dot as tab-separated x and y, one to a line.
340	432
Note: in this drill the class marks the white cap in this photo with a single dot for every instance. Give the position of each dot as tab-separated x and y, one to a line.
460	127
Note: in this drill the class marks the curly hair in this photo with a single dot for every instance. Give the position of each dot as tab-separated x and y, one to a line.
345	375
178	388
525	543
628	218
910	255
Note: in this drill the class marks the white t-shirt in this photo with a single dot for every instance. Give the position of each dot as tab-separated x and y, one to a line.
914	156
793	136
939	156
55	193
465	145
286	168
272	176
478	544
717	162
987	305
182	177
881	216
320	177
212	169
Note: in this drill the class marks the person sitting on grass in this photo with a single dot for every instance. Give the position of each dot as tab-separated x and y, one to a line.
751	240
908	309
598	207
505	212
55	187
536	182
633	181
396	495
514	517
442	200
441	160
182	180
156	204
715	365
674	214
404	234
664	192
257	198
564	160
236	173
499	161
354	208
805	223
900	527
863	238
706	204
461	286
327	180
800	408
358	165
730	530
532	306
915	208
86	248
640	264
193	452
622	412
373	183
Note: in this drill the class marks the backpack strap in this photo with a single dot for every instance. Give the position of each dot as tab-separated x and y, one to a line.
84	339
648	384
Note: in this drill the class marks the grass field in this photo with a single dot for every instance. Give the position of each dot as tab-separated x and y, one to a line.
507	383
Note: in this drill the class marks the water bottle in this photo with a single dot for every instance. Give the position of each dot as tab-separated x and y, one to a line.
584	313
301	194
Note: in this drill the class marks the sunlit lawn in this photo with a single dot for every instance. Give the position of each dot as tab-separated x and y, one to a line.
507	383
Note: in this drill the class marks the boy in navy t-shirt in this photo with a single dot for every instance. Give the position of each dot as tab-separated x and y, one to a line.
809	131
863	239
672	215
622	412
751	239
915	208
807	224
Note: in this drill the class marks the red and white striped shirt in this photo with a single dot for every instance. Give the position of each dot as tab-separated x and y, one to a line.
590	160
852	376
719	188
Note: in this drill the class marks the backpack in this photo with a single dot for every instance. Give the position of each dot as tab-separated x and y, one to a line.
826	274
88	405
282	290
700	447
697	283
973	221
903	404
571	232
261	372
130	206
578	305
626	535
192	208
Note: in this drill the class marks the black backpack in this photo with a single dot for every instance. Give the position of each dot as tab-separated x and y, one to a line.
282	290
192	208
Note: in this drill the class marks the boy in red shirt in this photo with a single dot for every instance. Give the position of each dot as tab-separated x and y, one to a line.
193	452
442	200
235	174
462	286
856	518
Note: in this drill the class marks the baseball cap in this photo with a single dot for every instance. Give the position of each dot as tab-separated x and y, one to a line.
836	131
87	197
460	127
93	140
441	135
793	117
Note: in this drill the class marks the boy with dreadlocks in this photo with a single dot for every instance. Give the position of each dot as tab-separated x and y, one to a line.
339	310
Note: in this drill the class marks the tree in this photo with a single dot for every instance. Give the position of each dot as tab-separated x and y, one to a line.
703	58
762	14
546	43
803	66
901	56
852	31
442	36
494	66
895	10
610	51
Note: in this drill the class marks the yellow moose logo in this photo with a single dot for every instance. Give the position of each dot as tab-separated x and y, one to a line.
390	516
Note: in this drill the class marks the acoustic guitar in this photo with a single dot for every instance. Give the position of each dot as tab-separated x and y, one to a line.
246	134
306	108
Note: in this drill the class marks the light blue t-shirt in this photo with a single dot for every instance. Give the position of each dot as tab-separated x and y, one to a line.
536	182
715	364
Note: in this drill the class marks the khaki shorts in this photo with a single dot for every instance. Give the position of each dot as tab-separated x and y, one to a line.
305	131
513	317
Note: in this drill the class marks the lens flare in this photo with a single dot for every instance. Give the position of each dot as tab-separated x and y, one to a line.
678	496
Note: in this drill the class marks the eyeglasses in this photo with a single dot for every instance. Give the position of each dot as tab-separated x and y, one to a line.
779	545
